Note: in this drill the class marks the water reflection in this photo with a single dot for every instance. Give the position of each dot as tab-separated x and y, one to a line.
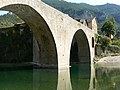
108	78
48	80
64	82
77	77
16	80
80	76
45	79
92	78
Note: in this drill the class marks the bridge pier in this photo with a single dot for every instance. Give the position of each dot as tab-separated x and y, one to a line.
63	53
36	54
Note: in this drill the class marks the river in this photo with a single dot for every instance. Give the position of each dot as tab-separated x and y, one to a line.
78	77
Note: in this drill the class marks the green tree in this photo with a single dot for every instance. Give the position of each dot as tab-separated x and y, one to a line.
109	27
104	41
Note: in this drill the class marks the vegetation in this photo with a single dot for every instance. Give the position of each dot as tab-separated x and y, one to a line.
9	20
86	11
115	49
104	40
16	44
116	42
108	27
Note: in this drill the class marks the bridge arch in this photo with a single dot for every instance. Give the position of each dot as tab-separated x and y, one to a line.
80	49
28	12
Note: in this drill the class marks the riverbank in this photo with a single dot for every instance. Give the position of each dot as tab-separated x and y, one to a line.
109	61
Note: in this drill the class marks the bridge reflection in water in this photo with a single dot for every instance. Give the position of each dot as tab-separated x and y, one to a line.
77	77
64	82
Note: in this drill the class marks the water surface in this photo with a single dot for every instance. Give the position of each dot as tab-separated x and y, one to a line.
108	78
77	77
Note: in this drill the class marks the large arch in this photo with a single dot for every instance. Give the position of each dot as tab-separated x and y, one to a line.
80	49
37	23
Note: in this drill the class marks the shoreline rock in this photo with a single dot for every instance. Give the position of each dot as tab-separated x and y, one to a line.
110	59
109	62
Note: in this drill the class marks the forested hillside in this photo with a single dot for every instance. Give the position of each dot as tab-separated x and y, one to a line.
86	11
78	10
9	20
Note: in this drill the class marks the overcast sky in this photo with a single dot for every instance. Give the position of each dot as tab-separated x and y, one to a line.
95	2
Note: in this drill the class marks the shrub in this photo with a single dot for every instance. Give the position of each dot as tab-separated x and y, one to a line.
116	42
114	49
104	41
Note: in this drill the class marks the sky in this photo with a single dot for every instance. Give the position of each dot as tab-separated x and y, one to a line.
95	2
3	12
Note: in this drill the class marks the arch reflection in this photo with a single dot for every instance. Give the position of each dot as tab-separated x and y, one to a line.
80	76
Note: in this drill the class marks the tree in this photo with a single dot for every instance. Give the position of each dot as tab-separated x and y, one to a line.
108	27
104	42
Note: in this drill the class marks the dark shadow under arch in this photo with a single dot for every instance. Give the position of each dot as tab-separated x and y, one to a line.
80	50
80	61
41	31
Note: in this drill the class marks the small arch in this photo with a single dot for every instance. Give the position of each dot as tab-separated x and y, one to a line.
80	50
80	60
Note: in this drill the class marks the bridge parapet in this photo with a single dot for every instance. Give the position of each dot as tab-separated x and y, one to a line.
90	23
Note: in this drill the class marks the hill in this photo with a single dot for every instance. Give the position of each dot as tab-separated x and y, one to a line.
76	10
86	11
9	20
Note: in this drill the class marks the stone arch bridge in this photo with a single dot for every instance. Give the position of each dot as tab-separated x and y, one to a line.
60	38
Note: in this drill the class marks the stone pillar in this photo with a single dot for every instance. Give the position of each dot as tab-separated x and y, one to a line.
36	55
63	49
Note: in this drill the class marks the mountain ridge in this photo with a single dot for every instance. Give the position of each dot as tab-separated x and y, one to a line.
75	10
